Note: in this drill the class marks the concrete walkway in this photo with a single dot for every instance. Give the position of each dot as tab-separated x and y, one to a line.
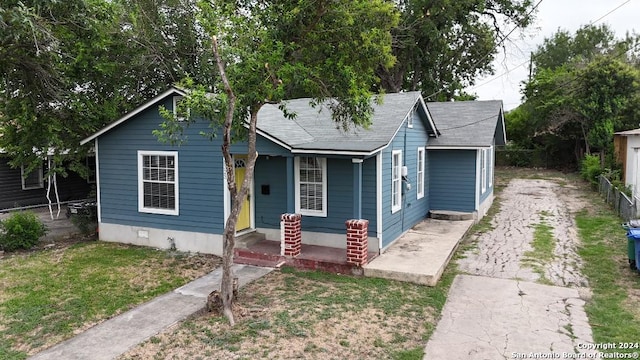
421	254
116	336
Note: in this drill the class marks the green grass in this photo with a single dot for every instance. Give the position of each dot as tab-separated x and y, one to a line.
605	257
543	245
45	296
304	303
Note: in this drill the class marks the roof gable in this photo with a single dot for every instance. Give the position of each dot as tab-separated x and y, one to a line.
468	123
172	91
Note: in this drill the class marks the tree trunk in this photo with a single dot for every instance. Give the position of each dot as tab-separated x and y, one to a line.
237	195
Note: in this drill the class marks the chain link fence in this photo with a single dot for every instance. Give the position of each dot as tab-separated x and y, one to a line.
625	207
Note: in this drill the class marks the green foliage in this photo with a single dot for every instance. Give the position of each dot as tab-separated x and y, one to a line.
585	87
21	230
86	221
67	68
591	168
442	46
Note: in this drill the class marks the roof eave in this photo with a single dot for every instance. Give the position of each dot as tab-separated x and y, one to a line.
133	113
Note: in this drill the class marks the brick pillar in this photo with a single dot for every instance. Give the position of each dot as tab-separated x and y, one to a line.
290	235
357	241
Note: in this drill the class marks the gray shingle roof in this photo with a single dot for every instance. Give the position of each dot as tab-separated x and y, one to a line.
465	123
313	128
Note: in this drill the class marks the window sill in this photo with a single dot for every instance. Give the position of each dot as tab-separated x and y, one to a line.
159	211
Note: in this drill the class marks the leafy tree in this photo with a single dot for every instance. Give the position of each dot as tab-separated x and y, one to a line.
68	68
583	90
269	51
442	46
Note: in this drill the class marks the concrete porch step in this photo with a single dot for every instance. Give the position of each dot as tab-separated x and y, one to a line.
247	240
450	215
421	254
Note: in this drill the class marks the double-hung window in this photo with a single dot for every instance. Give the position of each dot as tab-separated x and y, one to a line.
158	182
396	180
32	180
420	180
311	186
483	169
491	167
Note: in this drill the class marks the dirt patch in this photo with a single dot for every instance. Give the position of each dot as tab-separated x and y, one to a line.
283	316
502	251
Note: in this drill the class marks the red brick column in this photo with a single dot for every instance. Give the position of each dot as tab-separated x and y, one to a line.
290	235
357	241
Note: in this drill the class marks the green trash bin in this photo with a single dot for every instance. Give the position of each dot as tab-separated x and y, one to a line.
633	243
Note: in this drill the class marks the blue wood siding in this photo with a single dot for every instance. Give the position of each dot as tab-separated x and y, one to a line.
339	199
200	169
413	210
452	179
270	172
200	178
369	204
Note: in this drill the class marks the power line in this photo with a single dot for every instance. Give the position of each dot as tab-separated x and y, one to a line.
609	13
513	69
504	38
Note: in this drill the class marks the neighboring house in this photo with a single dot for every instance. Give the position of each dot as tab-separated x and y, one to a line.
392	174
627	150
19	189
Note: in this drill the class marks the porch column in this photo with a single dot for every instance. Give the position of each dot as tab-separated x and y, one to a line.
291	193
290	235
357	188
357	241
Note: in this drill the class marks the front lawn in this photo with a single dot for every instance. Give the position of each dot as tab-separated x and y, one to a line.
47	296
291	314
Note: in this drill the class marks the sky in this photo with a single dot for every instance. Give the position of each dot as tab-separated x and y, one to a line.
512	66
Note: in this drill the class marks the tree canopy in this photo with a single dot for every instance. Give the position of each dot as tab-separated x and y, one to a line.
583	89
442	46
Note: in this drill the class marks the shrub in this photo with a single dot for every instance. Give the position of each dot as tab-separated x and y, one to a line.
21	230
590	168
86	220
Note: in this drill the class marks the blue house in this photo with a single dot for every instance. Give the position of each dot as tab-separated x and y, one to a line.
414	158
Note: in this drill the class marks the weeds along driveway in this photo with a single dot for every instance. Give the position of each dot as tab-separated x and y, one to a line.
534	236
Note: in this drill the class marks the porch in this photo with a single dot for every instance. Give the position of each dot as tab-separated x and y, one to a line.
267	253
419	256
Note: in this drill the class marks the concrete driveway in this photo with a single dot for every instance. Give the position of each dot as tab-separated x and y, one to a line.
500	310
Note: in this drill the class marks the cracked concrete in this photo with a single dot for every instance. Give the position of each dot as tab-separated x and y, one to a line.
490	318
500	252
498	311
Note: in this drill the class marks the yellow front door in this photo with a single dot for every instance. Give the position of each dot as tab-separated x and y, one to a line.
244	219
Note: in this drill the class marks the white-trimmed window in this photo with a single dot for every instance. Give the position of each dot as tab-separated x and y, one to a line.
420	168
178	112
32	180
158	182
483	170
311	186
396	180
491	166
